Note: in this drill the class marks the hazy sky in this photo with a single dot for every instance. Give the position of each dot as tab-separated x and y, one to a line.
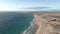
12	5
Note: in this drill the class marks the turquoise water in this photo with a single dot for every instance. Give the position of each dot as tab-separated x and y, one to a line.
14	23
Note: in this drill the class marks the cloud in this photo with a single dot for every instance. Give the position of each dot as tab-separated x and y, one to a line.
36	7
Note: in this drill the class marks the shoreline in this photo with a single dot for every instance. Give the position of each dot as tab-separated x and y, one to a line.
31	29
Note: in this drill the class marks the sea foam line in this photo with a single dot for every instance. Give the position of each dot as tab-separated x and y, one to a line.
28	30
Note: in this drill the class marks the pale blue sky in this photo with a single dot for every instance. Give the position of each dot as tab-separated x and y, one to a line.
12	5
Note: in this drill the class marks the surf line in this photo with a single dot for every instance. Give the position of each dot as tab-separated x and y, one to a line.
28	30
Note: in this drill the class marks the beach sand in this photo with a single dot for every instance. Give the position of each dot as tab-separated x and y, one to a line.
47	23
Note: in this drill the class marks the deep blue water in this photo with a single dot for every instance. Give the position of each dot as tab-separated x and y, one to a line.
14	23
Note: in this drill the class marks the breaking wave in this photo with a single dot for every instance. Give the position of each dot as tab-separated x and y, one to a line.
31	29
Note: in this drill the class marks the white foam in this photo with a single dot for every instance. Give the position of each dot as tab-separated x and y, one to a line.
27	31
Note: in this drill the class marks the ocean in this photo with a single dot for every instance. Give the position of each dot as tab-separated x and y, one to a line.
14	23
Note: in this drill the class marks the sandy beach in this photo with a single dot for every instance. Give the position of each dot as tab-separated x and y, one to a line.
47	23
